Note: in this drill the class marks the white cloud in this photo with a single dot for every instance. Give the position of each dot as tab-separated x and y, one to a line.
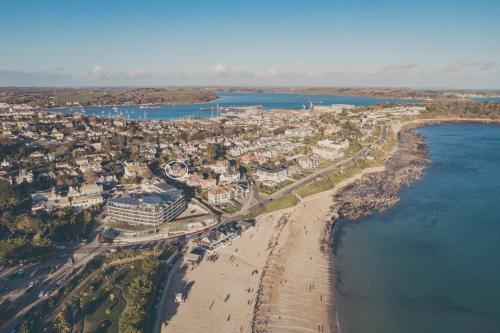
476	74
275	72
97	73
221	69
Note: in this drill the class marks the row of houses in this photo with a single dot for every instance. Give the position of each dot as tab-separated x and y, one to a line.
224	194
84	196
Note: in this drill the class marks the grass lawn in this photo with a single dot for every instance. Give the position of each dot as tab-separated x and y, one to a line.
270	190
231	207
129	227
376	158
285	201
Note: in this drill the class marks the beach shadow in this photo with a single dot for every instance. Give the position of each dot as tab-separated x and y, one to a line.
179	285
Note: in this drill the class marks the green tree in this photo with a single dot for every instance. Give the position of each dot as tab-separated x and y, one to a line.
62	322
8	197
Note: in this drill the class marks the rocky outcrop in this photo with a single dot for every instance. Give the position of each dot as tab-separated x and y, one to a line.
378	191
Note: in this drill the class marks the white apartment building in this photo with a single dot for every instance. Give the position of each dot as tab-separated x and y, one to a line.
276	175
308	162
223	194
151	209
330	150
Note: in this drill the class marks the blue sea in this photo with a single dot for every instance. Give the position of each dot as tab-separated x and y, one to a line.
487	99
203	110
432	262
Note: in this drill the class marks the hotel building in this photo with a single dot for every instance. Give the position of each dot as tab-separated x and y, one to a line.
152	209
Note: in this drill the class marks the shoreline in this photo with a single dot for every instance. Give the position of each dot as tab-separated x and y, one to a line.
301	252
124	105
336	201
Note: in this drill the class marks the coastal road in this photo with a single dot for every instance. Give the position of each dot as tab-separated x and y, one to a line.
361	154
83	253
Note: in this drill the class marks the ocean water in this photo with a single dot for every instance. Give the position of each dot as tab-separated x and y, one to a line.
487	99
432	262
266	100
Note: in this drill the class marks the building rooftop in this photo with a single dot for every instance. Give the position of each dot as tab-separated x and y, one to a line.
136	201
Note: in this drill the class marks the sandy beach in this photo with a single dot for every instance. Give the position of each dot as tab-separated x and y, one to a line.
285	256
296	288
277	276
297	293
223	292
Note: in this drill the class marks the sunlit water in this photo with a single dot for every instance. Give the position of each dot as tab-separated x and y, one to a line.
432	262
204	110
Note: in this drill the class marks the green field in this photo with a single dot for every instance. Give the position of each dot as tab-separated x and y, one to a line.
270	190
286	201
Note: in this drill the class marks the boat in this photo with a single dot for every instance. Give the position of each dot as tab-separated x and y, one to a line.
149	106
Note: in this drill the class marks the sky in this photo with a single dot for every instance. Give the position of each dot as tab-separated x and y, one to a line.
384	43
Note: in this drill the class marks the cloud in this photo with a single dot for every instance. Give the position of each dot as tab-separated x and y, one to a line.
37	78
221	69
104	75
397	69
468	67
98	73
477	74
275	72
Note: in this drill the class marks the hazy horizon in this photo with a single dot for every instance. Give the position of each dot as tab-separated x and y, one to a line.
448	44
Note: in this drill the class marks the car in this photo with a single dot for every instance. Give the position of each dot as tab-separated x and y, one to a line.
33	273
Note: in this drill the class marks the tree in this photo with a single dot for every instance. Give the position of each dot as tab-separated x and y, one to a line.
349	130
11	248
8	197
7	220
63	321
150	263
28	224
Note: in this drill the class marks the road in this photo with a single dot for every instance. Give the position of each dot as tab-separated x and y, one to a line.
83	253
259	201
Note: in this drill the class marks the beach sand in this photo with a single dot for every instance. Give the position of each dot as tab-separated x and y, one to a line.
297	293
296	289
292	291
230	276
294	277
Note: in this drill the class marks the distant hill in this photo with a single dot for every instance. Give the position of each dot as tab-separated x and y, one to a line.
58	97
